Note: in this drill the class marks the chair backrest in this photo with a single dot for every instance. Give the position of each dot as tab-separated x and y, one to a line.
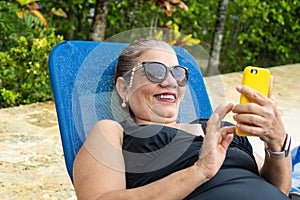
81	74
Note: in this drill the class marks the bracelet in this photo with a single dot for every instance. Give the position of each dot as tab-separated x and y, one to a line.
284	151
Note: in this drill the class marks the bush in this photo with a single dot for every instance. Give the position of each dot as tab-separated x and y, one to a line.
24	76
260	33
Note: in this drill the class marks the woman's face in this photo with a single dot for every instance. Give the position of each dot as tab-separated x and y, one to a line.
155	102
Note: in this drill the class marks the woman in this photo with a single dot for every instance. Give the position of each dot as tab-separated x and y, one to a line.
154	157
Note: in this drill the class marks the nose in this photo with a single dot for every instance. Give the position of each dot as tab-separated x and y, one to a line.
169	81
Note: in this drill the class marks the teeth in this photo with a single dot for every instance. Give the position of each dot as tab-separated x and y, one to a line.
166	97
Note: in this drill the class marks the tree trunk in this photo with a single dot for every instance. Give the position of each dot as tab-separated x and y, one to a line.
213	61
99	21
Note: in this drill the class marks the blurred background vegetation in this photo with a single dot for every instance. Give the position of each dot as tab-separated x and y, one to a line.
255	32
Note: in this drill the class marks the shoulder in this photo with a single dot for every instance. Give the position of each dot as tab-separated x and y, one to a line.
107	124
99	163
106	130
105	136
104	144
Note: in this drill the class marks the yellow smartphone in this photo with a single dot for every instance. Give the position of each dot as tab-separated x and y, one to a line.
258	79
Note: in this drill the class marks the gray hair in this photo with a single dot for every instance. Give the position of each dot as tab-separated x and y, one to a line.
129	56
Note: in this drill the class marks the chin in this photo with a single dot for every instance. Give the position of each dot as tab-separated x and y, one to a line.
164	117
167	114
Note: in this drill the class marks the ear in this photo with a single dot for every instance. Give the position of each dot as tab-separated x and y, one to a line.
122	87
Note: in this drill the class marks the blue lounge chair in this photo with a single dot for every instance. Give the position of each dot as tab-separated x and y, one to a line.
81	75
295	190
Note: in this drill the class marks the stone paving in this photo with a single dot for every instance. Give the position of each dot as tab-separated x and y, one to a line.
31	160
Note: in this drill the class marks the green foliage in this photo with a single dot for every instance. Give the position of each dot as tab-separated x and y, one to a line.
24	74
12	27
257	32
198	21
77	22
127	15
9	26
25	2
174	37
261	33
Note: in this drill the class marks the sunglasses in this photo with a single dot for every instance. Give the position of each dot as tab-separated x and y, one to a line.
157	72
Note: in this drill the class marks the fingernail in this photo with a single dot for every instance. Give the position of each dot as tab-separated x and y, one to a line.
233	108
239	87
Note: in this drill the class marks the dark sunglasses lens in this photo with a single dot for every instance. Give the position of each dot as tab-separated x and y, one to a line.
180	75
155	72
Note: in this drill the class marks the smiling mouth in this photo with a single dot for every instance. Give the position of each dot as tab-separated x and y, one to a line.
166	97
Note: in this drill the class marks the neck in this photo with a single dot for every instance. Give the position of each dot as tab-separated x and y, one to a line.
161	121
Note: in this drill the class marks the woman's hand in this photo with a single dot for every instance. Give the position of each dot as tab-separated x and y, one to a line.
260	118
216	142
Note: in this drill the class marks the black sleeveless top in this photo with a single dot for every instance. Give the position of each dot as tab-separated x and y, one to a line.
152	152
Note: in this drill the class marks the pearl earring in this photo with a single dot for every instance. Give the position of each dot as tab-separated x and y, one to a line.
123	105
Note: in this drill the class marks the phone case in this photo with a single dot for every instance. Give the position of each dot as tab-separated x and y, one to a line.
258	79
